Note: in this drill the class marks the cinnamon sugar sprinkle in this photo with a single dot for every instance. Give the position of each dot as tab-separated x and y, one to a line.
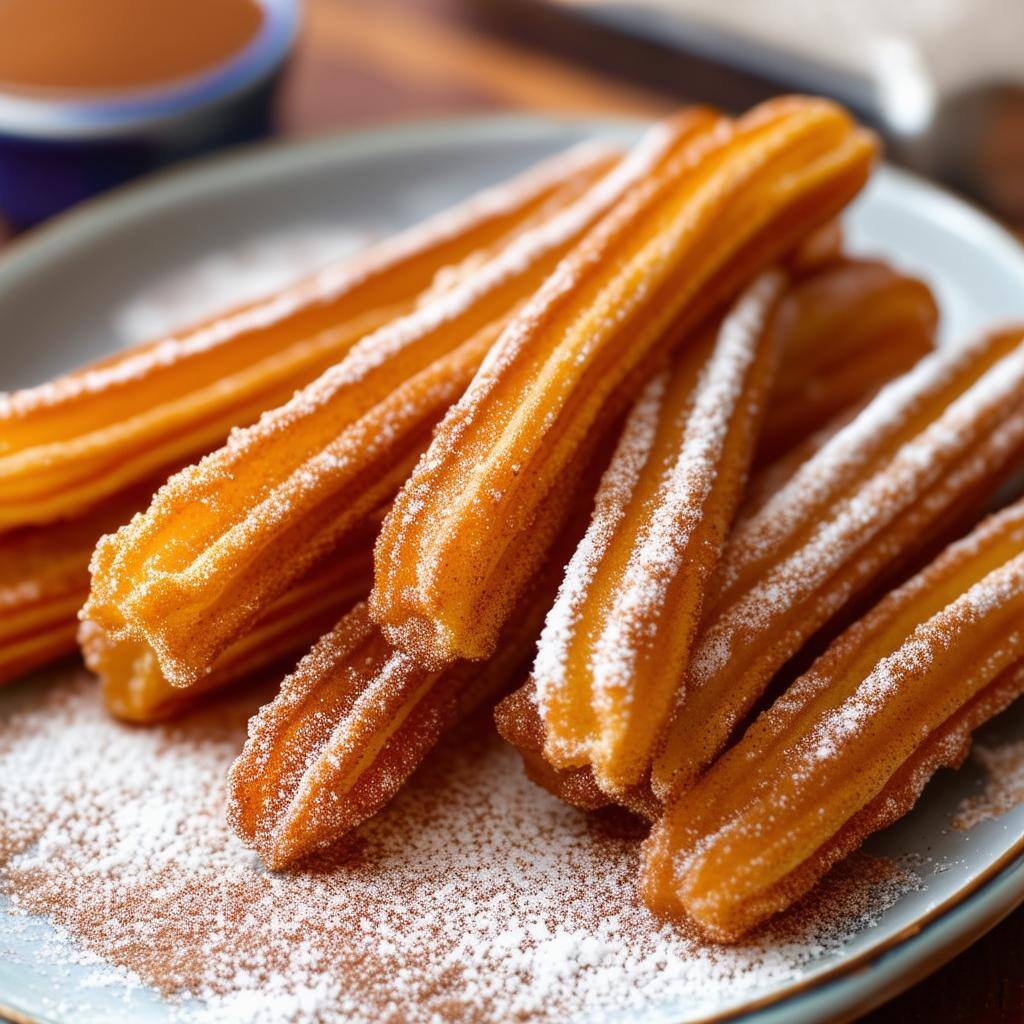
1003	788
474	897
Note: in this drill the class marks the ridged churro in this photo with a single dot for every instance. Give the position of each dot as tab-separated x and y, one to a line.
620	573
135	689
68	444
618	636
845	330
519	722
676	248
224	538
352	723
349	726
931	448
850	745
358	714
44	580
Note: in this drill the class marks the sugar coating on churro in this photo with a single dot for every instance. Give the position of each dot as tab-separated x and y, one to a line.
611	635
913	465
940	438
848	747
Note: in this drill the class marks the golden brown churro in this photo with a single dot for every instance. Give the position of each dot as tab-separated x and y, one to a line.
223	539
677	247
67	445
358	715
135	689
618	636
350	725
44	579
844	332
850	745
934	444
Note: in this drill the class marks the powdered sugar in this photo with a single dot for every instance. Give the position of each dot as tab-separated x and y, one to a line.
658	559
910	474
475	897
617	485
632	613
838	461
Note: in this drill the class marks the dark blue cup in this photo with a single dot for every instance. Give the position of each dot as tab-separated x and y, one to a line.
54	153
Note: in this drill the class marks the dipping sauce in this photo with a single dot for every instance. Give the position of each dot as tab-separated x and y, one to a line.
75	48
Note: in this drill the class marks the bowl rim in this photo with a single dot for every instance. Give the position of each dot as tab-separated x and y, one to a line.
112	115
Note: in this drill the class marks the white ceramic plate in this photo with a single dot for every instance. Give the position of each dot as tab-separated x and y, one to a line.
72	290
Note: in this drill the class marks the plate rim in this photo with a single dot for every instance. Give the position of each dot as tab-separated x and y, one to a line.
852	986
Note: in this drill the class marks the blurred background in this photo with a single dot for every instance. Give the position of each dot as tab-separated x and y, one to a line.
94	93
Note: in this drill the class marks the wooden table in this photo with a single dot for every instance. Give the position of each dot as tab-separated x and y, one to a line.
367	62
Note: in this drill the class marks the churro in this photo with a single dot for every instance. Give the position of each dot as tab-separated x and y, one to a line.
44	580
348	728
134	688
585	641
519	722
68	444
617	638
352	723
358	714
930	449
224	538
844	331
676	248
850	745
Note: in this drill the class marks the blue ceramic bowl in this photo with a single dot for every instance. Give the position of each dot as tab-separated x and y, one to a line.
54	153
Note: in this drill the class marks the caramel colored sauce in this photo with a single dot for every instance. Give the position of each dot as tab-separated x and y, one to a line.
104	46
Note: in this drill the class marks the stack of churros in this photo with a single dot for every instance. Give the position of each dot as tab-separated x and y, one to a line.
619	445
79	456
224	539
849	746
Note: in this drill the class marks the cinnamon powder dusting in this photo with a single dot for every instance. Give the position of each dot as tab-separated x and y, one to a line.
1003	788
474	897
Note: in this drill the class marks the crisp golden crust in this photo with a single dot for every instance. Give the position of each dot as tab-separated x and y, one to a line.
845	330
349	726
358	715
849	746
681	243
44	580
67	445
134	688
224	538
929	450
519	722
617	638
